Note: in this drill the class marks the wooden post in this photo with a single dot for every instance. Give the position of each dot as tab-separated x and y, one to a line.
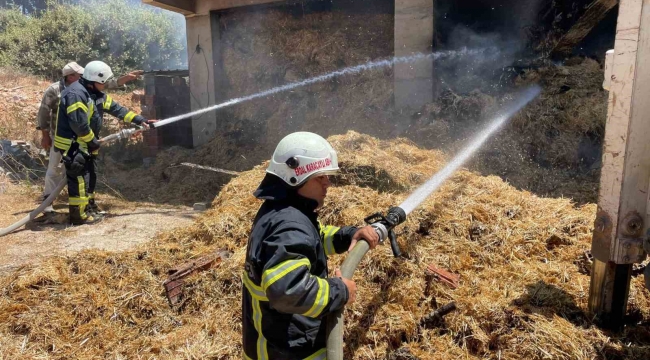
621	225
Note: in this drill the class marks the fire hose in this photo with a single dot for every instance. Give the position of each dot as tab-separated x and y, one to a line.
122	134
384	226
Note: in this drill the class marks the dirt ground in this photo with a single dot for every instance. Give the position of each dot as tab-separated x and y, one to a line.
126	224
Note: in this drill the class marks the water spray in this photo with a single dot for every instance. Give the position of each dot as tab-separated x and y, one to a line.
384	225
422	192
353	70
123	134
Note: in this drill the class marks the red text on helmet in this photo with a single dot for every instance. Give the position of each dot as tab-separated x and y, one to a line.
314	166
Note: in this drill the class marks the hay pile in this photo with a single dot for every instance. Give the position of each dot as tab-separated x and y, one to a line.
521	294
164	181
554	146
267	48
551	149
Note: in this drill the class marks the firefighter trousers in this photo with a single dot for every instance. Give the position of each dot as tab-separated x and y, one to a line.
81	187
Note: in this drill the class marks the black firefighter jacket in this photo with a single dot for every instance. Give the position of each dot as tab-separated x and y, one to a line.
286	294
80	116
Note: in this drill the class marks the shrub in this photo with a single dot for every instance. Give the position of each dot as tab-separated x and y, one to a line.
123	34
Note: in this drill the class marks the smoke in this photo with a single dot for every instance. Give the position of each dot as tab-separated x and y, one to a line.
354	70
159	57
142	36
181	36
499	25
421	193
477	72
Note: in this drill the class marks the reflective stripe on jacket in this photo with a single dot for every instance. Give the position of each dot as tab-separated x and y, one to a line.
80	116
286	293
76	118
47	111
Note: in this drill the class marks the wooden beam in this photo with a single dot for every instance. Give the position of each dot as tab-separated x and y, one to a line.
622	221
595	13
203	7
185	7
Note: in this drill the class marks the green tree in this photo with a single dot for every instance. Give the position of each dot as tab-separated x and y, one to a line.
124	35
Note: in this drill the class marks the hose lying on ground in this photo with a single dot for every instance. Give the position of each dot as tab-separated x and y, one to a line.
32	215
122	134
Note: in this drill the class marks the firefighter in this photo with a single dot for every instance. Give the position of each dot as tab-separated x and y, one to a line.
286	292
78	124
47	113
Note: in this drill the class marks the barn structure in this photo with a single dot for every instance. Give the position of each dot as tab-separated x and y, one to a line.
210	39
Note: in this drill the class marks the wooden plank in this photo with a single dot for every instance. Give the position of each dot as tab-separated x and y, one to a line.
633	220
622	219
594	14
624	174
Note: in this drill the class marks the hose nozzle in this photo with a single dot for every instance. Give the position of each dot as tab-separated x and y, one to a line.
384	225
396	215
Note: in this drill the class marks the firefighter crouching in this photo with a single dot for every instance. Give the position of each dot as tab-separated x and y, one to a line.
287	294
78	125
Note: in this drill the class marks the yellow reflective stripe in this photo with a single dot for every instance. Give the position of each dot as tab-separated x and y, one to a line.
246	356
75	106
62	140
82	187
108	102
320	227
56	121
274	274
76	201
92	110
318	355
82	195
328	239
255	291
262	351
88	137
322	299
62	143
129	116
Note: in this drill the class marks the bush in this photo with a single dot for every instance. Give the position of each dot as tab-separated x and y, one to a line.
124	35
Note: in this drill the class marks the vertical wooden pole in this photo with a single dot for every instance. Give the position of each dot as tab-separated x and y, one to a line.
622	219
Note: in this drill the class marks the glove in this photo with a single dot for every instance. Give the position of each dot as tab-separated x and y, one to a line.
75	165
141	121
93	145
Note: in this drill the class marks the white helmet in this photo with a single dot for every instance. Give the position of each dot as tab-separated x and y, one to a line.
301	155
97	71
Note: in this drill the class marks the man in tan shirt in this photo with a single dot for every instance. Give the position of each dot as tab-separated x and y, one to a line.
47	121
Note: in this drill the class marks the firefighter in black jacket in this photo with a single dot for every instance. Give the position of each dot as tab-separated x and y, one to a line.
78	123
287	294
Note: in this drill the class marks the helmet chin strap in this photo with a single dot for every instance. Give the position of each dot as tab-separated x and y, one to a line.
89	85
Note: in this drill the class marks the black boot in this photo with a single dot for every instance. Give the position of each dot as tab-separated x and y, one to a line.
93	209
77	217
